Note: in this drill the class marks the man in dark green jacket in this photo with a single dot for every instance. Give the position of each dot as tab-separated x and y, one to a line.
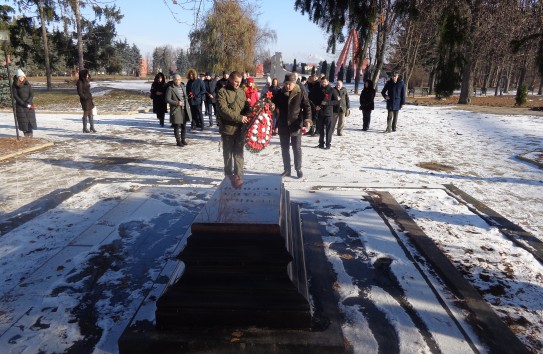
232	109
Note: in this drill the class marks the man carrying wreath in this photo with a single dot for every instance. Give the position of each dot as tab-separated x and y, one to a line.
294	114
232	111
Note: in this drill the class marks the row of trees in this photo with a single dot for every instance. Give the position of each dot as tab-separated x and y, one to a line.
52	37
455	44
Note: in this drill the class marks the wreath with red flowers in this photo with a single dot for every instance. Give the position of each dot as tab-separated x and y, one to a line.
260	126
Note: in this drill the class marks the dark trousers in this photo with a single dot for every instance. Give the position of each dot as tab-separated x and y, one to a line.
296	143
180	132
210	109
326	130
366	119
232	152
160	117
197	116
392	119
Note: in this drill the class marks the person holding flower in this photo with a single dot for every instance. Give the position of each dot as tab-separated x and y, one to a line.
24	108
294	113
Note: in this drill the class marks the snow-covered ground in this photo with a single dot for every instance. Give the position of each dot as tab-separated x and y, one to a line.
48	278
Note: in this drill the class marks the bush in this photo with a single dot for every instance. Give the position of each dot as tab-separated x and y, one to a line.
522	95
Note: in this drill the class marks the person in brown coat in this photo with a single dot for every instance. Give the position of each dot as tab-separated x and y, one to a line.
232	109
85	97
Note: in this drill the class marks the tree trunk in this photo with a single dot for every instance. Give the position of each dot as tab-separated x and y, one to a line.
45	45
522	76
77	12
362	49
466	89
382	34
497	81
431	81
507	82
540	91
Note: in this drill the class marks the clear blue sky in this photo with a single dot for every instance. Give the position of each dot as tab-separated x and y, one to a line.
152	24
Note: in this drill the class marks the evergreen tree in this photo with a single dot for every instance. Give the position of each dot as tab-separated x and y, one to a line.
324	68
452	35
182	62
331	76
302	68
5	93
341	73
349	75
294	66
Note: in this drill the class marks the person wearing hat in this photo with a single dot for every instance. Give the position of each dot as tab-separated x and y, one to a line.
251	92
394	94
24	108
85	97
158	92
211	98
294	113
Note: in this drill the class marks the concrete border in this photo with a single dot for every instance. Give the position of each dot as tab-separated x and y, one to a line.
523	157
488	325
26	151
513	232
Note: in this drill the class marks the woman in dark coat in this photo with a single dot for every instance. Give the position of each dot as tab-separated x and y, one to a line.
85	97
158	93
367	97
24	109
176	97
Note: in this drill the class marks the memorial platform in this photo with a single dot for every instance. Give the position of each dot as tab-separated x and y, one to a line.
242	281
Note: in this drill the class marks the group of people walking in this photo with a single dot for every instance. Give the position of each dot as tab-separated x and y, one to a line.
313	107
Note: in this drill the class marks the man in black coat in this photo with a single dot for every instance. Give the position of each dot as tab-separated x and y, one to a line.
313	89
294	113
394	94
326	99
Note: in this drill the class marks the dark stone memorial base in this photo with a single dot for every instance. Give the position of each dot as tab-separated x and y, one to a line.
244	287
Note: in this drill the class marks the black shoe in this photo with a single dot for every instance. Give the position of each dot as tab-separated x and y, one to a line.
321	146
184	142
328	147
179	144
299	173
85	130
285	174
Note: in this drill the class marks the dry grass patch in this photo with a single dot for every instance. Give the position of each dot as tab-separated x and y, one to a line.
435	166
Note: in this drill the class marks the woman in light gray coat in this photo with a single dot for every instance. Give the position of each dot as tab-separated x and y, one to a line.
176	97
